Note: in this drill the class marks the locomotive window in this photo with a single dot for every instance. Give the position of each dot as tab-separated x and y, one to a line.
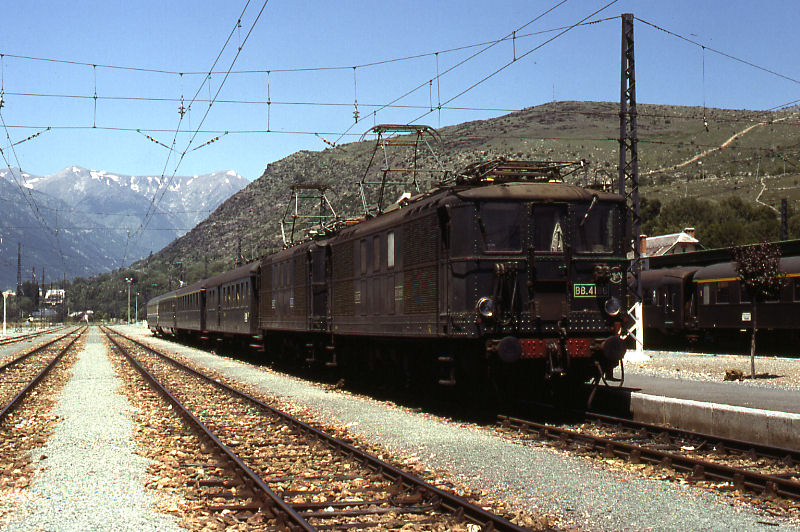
549	228
796	288
723	292
376	253
594	228
499	226
390	249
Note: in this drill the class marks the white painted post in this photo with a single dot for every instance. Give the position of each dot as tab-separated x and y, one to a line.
5	304
637	355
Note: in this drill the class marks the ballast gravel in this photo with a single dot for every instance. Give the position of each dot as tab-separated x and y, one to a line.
91	478
580	494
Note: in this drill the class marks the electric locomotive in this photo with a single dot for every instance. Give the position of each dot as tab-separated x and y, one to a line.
504	275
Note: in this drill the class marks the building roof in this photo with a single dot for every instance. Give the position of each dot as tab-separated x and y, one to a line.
663	244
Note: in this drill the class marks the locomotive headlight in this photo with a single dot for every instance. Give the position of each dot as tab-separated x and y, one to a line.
613	306
485	307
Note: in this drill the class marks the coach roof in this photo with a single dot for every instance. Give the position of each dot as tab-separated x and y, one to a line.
242	272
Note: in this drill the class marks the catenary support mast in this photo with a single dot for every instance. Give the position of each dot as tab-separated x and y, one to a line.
629	175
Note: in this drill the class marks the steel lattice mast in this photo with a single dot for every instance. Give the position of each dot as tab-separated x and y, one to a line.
629	171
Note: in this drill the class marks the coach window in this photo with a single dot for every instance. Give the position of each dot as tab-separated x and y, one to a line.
723	292
390	249
376	253
744	293
774	297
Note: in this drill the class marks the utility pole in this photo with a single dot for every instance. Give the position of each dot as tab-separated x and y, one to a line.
629	175
784	219
19	269
129	280
5	306
42	293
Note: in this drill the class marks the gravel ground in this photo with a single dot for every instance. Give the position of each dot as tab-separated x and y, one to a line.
781	372
578	493
91	479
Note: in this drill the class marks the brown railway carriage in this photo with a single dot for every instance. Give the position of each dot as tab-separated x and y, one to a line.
161	313
668	298
189	304
722	302
231	306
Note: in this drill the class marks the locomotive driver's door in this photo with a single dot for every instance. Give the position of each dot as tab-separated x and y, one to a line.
547	271
319	257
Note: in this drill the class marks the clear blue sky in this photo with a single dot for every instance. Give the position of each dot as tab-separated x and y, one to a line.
186	36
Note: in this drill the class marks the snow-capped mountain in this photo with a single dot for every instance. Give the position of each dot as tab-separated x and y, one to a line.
98	210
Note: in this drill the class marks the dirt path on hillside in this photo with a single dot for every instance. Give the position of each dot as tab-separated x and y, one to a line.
709	151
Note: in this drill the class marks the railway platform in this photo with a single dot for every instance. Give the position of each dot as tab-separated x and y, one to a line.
689	391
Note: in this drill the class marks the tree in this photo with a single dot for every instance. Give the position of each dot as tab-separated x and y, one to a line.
759	269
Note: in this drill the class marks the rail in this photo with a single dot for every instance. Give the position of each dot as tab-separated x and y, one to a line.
17	399
696	468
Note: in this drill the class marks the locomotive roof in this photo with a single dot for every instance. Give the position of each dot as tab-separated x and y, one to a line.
536	191
518	191
242	272
726	271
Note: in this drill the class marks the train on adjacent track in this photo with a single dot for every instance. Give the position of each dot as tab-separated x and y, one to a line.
710	303
506	275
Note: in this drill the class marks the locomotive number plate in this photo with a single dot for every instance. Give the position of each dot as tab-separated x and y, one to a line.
589	290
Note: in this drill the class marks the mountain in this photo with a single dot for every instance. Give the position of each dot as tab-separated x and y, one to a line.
89	215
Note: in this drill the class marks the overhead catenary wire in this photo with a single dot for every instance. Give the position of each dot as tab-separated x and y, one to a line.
302	68
156	198
719	52
546	42
467	59
145	222
29	199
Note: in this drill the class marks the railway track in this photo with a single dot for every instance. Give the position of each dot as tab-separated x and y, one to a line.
270	465
29	386
13	339
746	466
19	376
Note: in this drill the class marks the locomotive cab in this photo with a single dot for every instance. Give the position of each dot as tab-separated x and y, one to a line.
536	269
